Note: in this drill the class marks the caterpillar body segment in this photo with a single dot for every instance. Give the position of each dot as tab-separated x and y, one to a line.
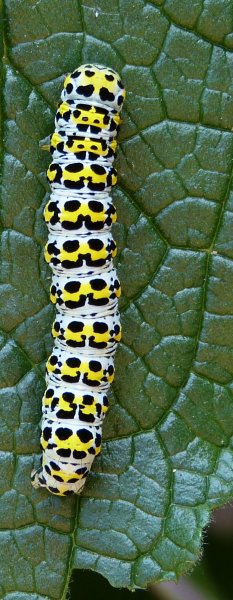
83	215
85	287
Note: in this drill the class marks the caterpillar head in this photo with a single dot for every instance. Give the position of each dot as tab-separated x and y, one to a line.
94	83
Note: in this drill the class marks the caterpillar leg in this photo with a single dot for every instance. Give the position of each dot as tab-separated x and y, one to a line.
35	478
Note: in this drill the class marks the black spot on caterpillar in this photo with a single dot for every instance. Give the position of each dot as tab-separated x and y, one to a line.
85	287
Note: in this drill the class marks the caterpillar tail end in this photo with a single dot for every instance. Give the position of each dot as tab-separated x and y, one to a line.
58	489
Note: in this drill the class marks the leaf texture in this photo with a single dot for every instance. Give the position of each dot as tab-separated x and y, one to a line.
167	455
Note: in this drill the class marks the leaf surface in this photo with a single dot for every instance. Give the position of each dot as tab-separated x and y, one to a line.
167	455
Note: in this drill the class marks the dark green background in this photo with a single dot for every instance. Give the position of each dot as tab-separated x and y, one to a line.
167	454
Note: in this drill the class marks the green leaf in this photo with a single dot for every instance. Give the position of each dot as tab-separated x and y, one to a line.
167	455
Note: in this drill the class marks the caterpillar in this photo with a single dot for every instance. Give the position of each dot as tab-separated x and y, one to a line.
85	287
